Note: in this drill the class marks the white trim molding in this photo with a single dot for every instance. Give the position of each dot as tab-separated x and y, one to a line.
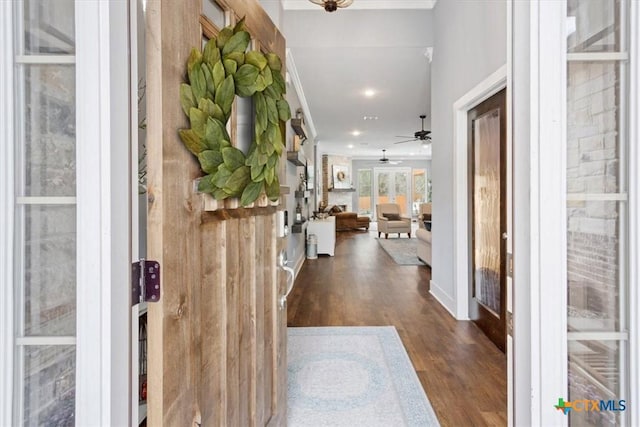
103	213
6	212
485	89
297	85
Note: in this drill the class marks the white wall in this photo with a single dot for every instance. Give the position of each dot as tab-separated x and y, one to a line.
470	44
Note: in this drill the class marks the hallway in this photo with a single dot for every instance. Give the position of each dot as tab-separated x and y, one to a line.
463	373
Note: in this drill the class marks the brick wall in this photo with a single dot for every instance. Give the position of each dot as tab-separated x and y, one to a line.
593	167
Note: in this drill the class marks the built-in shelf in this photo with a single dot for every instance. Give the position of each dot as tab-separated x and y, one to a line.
297	158
298	227
342	190
302	194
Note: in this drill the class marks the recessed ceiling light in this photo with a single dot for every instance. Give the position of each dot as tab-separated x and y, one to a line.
356	133
370	117
369	93
412	154
350	145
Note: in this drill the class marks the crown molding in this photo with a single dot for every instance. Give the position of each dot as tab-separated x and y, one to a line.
294	78
364	4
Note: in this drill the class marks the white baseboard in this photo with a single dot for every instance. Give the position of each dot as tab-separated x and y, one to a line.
441	296
299	264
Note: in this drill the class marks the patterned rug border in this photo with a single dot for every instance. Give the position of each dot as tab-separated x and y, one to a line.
413	399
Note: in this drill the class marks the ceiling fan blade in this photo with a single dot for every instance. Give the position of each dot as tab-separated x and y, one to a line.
404	136
408	140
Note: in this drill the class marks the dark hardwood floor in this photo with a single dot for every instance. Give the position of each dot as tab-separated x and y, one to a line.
463	373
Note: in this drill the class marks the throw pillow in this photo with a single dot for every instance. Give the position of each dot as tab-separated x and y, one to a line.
391	216
335	209
427	225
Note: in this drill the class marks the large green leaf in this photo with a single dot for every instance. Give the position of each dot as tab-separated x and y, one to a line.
273	134
218	114
272	91
192	141
220	194
278	82
225	95
223	37
215	133
261	112
273	190
208	77
220	178
274	61
260	84
269	174
210	160
195	58
272	111
257	172
246	75
246	91
198	81
251	193
273	161
187	100
218	74
279	147
256	58
268	76
233	158
207	106
237	43
198	121
205	185
230	66
240	26
238	180
284	111
236	56
211	53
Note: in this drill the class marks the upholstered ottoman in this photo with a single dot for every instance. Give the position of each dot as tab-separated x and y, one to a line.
424	245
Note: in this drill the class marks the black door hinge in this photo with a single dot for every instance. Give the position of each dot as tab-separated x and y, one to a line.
145	281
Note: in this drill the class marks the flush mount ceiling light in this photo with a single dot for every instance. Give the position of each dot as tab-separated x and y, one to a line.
332	5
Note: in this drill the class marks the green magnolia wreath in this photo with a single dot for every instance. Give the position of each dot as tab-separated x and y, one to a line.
221	71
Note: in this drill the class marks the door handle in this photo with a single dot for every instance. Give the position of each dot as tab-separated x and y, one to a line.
290	279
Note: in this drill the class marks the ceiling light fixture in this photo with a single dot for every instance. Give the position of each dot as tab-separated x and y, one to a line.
350	145
369	93
356	133
332	5
370	117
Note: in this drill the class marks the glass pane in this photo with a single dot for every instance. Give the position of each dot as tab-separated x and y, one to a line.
49	385
486	210
215	13
593	127
364	192
419	190
49	270
593	26
383	188
593	259
49	154
49	27
402	190
594	372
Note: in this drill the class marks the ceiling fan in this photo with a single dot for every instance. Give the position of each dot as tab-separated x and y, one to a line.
386	161
421	135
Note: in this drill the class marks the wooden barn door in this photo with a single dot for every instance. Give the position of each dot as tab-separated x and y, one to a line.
217	338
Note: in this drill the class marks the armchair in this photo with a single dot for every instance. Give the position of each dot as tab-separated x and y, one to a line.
390	221
424	216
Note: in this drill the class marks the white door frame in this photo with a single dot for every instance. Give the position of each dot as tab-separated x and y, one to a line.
104	213
485	89
7	341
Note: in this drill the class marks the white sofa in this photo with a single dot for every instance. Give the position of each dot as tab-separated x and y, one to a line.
424	245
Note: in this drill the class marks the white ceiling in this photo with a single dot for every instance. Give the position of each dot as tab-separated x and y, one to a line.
339	55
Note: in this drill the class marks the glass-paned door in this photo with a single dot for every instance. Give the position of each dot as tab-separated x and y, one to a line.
597	182
365	192
419	192
392	185
45	213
